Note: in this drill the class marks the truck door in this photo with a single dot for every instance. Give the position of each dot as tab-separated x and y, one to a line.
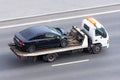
101	36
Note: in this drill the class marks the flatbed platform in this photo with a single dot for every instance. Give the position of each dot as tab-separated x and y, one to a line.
76	40
50	50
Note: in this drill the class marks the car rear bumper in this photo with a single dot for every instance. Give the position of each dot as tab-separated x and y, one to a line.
13	49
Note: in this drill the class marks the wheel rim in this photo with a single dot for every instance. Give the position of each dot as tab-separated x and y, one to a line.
63	44
97	49
51	57
31	49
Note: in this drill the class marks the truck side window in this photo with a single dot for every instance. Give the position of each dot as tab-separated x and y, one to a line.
86	27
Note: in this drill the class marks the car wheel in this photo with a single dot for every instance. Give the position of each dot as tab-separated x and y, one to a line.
64	42
31	49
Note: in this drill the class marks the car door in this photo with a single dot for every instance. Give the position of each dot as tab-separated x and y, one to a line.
52	39
40	41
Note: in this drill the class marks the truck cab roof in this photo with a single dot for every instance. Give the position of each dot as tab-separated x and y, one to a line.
93	23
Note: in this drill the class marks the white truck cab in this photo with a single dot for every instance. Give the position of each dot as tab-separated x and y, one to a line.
96	32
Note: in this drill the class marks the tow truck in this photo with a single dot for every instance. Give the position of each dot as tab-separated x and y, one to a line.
91	37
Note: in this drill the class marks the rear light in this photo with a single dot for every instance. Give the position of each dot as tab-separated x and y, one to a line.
21	43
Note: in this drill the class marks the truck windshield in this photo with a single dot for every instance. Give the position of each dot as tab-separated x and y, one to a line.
101	32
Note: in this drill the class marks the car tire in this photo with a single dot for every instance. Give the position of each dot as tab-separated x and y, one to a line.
64	43
31	48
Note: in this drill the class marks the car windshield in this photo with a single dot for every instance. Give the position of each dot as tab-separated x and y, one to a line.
101	31
54	30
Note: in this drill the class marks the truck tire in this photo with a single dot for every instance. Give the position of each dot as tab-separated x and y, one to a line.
64	43
49	57
31	48
96	48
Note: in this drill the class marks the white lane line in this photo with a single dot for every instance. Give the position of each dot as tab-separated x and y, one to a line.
52	20
70	62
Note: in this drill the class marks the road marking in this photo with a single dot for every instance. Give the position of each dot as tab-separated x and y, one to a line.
52	20
61	64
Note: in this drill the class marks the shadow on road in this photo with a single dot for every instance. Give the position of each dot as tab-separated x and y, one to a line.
9	61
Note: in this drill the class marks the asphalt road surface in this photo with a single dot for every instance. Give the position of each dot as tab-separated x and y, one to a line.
102	66
12	9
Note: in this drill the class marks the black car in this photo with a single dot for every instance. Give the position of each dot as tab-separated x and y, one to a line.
38	37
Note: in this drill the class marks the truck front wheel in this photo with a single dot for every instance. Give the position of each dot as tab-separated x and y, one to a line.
96	48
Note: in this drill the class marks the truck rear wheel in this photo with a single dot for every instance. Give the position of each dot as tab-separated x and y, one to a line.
96	48
49	57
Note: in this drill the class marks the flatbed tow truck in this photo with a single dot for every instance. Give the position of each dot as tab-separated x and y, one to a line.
92	37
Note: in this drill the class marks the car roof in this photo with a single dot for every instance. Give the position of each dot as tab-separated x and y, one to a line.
39	29
36	30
